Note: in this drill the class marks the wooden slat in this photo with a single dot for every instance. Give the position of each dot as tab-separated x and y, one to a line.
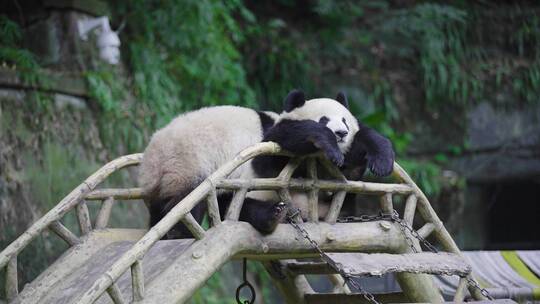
83	217
116	294
426	230
313	196
236	204
335	207
376	264
381	263
193	226
213	208
64	233
137	281
386	203
410	209
12	281
104	213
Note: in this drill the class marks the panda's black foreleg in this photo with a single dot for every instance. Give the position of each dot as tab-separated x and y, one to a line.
300	137
377	149
263	216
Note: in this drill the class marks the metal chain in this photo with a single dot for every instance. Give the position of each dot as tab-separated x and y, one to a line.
337	267
404	227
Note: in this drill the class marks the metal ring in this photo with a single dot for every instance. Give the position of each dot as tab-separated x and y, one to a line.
251	289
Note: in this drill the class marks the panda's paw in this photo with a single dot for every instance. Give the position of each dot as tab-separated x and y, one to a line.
280	211
336	157
381	166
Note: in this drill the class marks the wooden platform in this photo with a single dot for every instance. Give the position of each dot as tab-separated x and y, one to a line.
76	270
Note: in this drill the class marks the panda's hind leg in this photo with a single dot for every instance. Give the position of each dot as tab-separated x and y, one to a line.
263	216
180	231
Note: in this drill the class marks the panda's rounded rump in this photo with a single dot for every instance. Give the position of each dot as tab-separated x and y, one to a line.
193	145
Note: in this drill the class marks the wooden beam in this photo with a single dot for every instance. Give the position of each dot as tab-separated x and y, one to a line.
64	233
313	195
236	204
461	290
323	185
118	194
12	281
426	230
137	281
386	203
116	294
104	213
83	217
193	226
410	209
213	208
335	207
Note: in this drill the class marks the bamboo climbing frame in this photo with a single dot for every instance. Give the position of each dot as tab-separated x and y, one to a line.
240	239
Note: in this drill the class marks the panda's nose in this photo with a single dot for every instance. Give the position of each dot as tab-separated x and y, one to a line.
341	133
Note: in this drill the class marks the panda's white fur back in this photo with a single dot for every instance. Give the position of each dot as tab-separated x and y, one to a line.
194	145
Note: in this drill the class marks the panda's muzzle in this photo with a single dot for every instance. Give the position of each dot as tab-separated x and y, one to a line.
341	134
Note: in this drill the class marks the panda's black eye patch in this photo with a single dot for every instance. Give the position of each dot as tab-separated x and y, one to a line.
324	120
345	122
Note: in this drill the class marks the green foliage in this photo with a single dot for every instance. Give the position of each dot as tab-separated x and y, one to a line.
12	55
183	55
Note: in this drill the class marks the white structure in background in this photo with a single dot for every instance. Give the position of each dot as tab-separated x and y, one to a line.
108	41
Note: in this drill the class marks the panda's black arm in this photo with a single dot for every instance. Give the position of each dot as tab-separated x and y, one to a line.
300	137
371	147
305	137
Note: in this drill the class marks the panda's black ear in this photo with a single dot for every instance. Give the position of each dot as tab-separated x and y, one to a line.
342	99
294	99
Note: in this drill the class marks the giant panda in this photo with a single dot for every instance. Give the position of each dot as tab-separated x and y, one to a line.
186	151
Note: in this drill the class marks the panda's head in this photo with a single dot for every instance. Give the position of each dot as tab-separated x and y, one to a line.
334	114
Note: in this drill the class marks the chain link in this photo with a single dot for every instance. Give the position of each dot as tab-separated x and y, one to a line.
337	267
404	227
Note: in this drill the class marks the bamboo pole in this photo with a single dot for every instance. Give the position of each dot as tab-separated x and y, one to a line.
426	230
339	283
386	203
66	204
193	226
83	217
289	169
323	185
313	196
460	294
335	207
119	194
410	208
236	204
104	213
116	294
213	207
12	281
137	281
64	233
